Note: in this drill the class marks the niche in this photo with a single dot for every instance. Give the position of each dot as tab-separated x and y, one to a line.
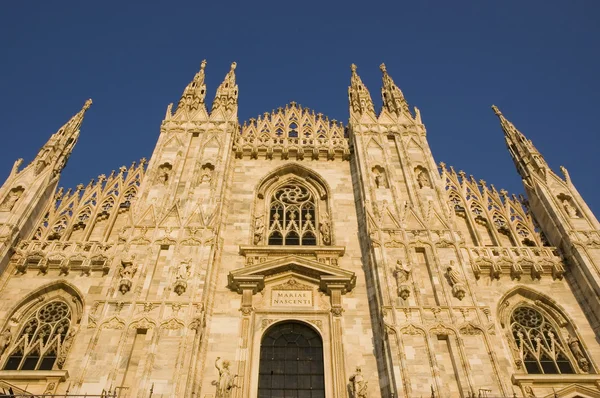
380	177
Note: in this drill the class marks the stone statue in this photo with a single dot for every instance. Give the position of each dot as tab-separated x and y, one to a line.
226	382
5	339
126	272
358	385
13	196
183	271
458	289
423	180
164	172
402	273
575	347
259	229
206	175
325	230
571	211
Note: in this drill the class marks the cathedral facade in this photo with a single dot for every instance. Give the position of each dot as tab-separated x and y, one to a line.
294	256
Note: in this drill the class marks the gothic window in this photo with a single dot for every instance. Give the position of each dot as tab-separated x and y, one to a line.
292	215
291	362
540	346
41	339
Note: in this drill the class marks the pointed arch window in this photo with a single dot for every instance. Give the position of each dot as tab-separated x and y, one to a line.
41	338
539	344
292	215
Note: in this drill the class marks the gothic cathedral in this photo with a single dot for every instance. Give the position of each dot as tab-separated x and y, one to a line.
295	256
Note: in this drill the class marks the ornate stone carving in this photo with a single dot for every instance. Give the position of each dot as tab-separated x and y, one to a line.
226	382
402	274
259	229
569	209
66	346
358	384
455	281
423	177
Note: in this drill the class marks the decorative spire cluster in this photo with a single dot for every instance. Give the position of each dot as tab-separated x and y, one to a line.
227	93
393	99
195	92
525	156
358	95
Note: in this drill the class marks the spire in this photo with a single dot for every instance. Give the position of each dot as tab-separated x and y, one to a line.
194	93
526	157
358	95
227	93
393	99
60	145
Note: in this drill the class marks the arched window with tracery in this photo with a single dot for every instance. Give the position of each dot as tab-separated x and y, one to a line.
43	339
292	216
540	346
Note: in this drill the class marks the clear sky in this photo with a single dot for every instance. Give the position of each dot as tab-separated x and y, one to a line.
537	60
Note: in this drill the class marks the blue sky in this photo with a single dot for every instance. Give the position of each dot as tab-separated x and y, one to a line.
537	60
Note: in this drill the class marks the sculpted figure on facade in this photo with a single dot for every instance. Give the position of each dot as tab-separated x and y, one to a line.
380	177
226	382
11	199
458	288
423	178
5	339
571	211
259	229
164	173
183	273
325	230
358	384
402	274
126	272
575	347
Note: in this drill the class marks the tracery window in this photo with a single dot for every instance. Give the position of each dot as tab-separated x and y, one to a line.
540	346
41	339
292	215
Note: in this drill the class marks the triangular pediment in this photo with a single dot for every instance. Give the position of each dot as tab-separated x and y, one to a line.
311	270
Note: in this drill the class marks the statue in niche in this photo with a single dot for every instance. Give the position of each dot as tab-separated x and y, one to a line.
458	289
13	196
259	229
379	176
423	178
226	382
358	384
5	339
164	172
575	347
571	211
402	273
206	173
325	230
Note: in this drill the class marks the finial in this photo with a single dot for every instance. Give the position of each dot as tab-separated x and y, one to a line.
496	110
203	64
353	68
87	104
382	68
233	66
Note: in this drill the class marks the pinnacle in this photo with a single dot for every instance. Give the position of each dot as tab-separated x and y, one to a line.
496	110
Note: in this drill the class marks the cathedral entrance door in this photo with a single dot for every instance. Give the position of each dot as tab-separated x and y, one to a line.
291	362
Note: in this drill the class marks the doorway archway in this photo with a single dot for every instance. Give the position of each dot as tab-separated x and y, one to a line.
291	362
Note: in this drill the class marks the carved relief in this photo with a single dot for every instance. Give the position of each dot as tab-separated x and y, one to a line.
183	273
575	347
380	177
